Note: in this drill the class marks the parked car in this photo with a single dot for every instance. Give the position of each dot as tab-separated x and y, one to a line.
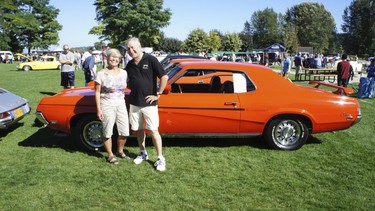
46	63
170	57
22	58
12	108
240	100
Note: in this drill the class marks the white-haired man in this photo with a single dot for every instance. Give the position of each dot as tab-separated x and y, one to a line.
143	71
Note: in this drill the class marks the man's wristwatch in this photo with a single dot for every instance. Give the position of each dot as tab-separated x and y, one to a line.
158	93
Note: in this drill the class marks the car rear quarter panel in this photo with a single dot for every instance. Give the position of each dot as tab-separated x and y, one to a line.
62	109
274	97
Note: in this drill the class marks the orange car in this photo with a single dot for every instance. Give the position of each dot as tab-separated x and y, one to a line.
241	100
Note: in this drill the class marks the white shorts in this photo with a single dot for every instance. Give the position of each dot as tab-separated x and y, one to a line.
138	116
115	114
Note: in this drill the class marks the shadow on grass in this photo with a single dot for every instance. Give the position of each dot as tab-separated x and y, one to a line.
48	93
5	132
256	142
46	138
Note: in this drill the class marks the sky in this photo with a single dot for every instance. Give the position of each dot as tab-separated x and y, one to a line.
78	16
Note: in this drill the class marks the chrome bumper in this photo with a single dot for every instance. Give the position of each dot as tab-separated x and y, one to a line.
41	118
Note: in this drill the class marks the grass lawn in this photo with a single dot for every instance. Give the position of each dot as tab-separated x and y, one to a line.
39	171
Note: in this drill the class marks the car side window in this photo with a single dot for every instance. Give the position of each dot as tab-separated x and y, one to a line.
212	81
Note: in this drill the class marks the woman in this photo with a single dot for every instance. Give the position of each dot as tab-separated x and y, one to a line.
110	84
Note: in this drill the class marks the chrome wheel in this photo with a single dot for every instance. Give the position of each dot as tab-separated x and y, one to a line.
88	132
92	134
286	133
26	68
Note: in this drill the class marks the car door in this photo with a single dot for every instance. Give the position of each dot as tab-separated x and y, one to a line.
193	109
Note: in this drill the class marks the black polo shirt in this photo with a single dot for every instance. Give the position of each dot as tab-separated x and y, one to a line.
142	79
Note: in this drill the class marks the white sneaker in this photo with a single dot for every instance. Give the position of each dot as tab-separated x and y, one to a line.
140	158
160	165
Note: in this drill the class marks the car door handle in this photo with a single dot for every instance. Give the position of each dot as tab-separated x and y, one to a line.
231	103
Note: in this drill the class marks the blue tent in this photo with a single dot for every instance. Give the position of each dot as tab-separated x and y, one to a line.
277	47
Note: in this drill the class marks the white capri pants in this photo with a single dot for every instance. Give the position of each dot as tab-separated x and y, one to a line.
115	113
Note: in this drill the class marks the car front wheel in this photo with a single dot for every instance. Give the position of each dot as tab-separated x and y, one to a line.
26	68
286	133
89	133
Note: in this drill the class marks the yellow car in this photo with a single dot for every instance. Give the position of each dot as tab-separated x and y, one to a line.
46	63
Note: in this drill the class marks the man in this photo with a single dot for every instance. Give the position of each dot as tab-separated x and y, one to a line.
89	69
67	68
298	64
286	65
143	71
344	71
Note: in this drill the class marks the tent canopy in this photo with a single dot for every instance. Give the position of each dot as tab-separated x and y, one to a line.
275	47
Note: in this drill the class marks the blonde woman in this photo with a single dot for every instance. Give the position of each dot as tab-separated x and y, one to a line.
110	84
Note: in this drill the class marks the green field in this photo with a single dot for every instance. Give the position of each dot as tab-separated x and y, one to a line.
39	171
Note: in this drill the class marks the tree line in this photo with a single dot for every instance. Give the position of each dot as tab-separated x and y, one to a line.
32	24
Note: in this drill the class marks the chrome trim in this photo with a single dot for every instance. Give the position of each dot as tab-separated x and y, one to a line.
41	118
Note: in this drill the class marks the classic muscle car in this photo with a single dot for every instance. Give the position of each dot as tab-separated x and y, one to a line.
46	63
240	100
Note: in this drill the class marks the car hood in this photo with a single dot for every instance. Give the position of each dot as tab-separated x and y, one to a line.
10	101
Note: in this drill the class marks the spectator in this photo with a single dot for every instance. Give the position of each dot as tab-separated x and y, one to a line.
67	68
286	65
344	71
298	64
89	69
371	69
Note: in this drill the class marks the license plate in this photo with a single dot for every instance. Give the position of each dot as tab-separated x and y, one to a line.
18	112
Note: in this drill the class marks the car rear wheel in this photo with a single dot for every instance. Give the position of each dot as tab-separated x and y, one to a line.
286	133
26	68
89	133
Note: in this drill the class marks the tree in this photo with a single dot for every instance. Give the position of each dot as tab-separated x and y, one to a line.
307	19
121	19
246	37
28	24
231	42
264	28
359	27
197	42
214	41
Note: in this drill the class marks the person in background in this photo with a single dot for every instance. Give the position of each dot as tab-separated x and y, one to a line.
286	65
110	85
298	64
67	68
143	71
344	71
89	69
77	60
266	61
371	69
86	54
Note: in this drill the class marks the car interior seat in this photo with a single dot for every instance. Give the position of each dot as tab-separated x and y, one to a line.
227	87
215	84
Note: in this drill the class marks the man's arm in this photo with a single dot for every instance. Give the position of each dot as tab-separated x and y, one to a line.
163	84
